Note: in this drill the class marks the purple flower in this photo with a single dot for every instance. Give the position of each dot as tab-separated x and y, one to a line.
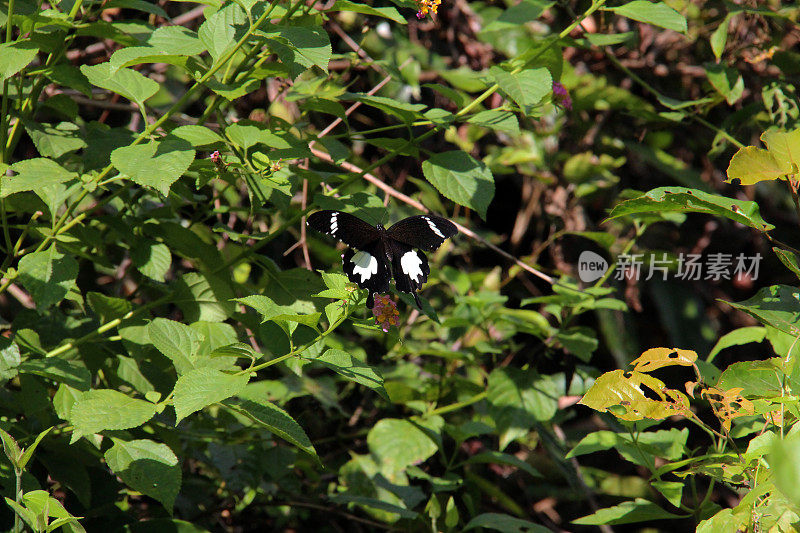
385	312
561	96
215	157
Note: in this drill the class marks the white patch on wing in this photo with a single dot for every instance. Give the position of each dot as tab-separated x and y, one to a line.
364	265
334	223
433	227
411	263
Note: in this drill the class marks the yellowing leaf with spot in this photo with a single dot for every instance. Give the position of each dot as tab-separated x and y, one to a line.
656	358
622	389
728	404
784	147
751	164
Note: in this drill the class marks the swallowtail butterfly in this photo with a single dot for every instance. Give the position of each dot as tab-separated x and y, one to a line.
379	252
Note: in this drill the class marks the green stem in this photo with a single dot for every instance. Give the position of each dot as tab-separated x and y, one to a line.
18	499
459	405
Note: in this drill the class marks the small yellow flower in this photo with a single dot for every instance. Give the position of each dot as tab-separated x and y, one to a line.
427	6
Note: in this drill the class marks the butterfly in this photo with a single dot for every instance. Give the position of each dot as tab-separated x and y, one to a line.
379	252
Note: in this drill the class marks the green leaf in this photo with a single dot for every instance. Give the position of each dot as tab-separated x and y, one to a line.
10	447
397	444
48	276
9	359
124	81
518	15
29	451
157	164
682	199
353	369
503	459
755	378
385	12
167	44
789	260
202	387
273	419
504	523
497	119
54	141
204	297
34	174
28	516
152	259
777	306
527	88
148	467
655	13
311	44
727	81
197	135
176	341
15	56
639	510
517	399
720	37
221	30
462	179
103	409
737	337
73	373
270	311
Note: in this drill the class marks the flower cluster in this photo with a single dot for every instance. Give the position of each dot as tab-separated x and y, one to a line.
216	158
427	6
561	96
385	311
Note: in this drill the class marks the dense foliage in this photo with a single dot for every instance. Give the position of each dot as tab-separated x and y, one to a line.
178	351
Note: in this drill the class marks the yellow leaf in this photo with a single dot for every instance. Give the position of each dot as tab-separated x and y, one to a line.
656	358
618	388
785	148
751	164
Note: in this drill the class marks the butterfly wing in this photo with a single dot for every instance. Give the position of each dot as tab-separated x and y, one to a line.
368	269
410	268
349	229
426	232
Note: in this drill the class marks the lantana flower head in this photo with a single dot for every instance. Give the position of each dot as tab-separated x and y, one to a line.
385	311
427	6
561	96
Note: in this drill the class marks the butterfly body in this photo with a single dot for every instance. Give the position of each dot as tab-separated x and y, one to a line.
376	252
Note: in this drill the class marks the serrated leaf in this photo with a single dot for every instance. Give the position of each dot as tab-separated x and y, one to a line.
176	341
124	81
204	297
639	510
15	56
655	13
104	409
682	199
462	179
527	88
202	387
157	164
496	119
148	467
385	12
34	174
9	359
353	369
152	259
48	276
270	311
518	15
397	444
274	419
311	44
73	373
197	135
167	44
222	29
54	140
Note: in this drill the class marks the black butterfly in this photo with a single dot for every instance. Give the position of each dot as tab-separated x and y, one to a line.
378	248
